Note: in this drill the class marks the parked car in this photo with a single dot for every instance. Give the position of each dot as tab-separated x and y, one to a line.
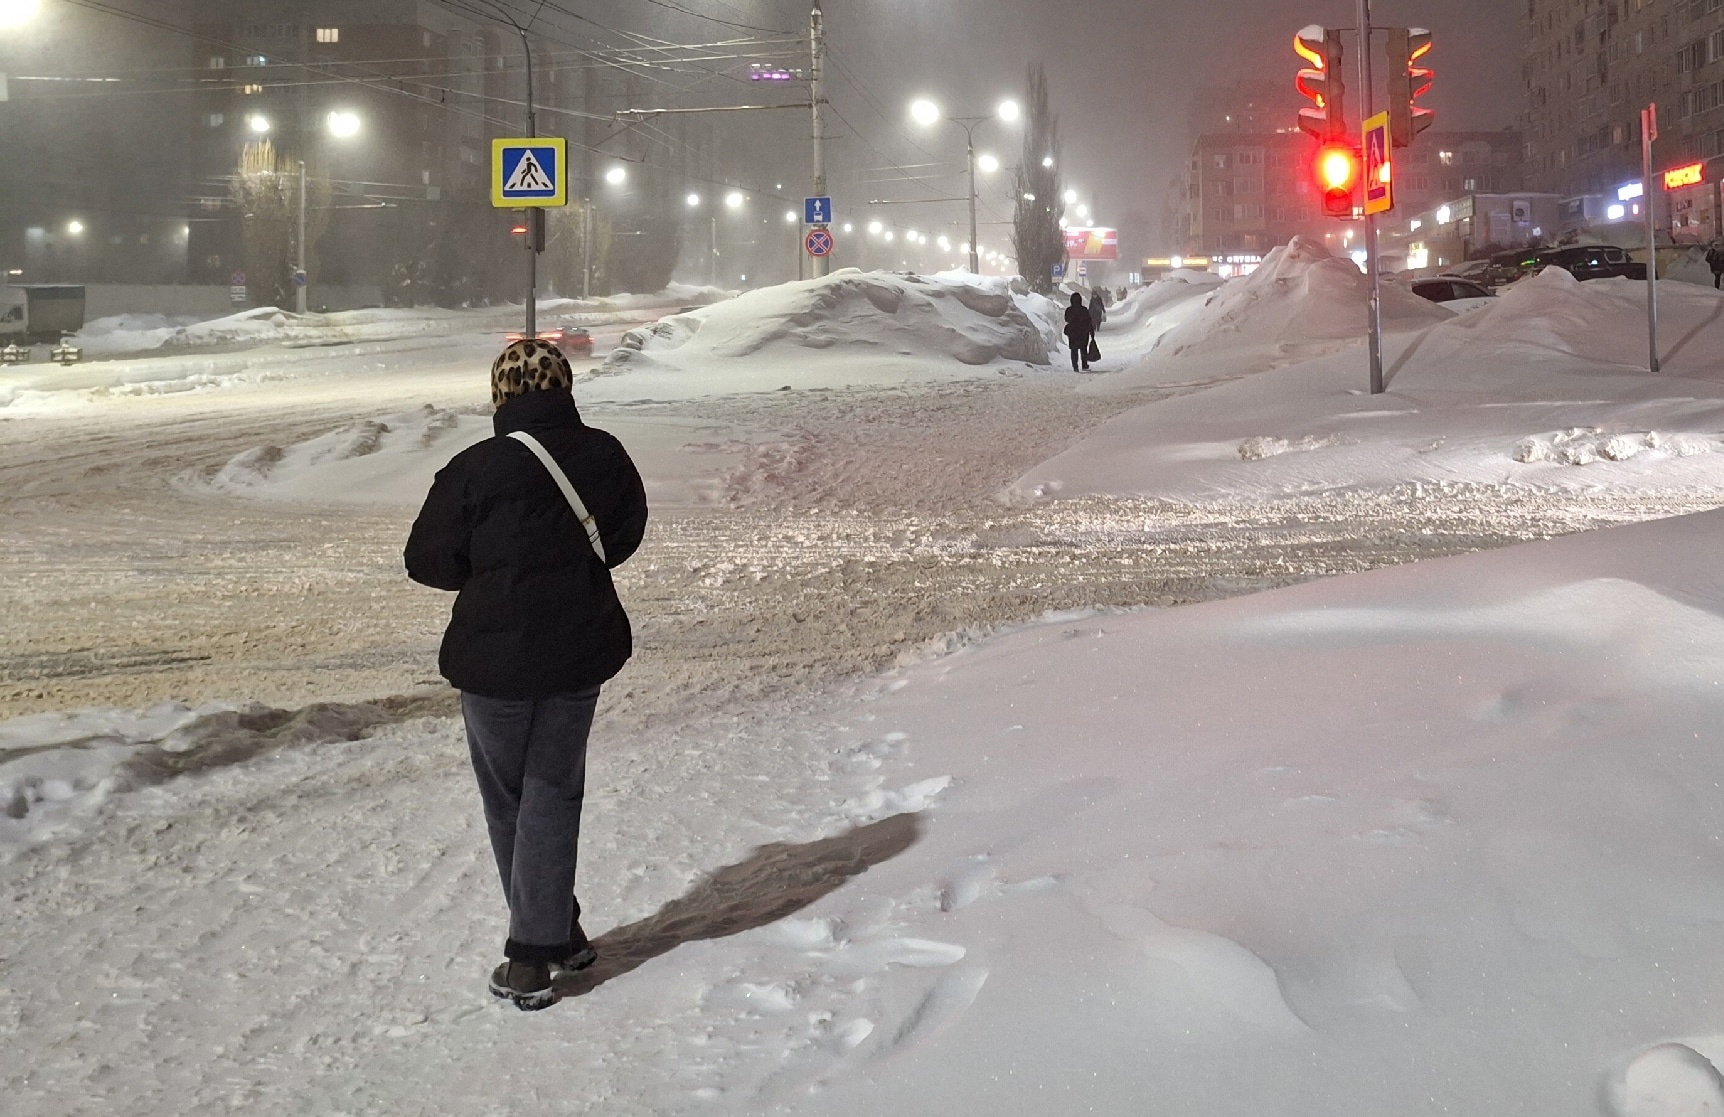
1457	294
1592	261
574	341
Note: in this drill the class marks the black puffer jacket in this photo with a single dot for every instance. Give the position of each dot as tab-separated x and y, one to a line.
537	614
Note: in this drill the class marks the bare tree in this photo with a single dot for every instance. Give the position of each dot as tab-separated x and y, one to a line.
267	194
1036	233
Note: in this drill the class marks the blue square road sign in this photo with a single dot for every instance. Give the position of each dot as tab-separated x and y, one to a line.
817	211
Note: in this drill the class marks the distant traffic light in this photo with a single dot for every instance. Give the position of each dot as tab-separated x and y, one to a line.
1408	81
1337	178
1322	82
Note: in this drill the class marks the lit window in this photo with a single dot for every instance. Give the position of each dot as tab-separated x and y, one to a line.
217	119
256	60
250	90
217	62
329	34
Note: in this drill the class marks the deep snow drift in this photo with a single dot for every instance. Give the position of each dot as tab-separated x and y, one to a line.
1301	302
1545	388
963	319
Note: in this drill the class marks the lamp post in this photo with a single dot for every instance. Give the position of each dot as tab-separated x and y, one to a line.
16	13
927	114
343	125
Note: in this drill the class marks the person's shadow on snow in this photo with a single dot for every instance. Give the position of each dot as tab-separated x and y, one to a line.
775	881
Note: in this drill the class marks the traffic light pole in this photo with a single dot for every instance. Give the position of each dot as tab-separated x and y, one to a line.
1648	133
1366	111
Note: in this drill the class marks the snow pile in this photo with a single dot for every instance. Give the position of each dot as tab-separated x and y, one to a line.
1302	301
850	313
1585	445
1146	302
1549	376
374	461
129	333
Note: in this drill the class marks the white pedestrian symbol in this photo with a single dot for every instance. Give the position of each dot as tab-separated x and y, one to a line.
528	177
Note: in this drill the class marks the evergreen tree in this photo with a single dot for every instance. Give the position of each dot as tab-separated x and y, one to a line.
1036	233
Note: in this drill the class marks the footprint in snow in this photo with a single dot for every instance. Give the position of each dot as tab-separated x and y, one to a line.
1670	1080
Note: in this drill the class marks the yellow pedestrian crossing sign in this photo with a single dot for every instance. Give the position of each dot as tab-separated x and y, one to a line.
529	172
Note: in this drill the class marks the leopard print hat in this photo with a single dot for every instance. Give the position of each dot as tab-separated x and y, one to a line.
529	366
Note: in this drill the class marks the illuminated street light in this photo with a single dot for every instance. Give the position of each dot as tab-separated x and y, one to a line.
75	228
987	164
733	199
343	125
1071	197
925	113
888	236
16	13
258	122
945	243
1083	212
875	227
848	226
1047	160
790	216
1009	111
616	176
693	201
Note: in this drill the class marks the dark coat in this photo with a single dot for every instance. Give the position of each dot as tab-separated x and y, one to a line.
1079	328
1097	311
537	614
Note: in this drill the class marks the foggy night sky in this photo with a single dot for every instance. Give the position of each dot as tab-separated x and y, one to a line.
1120	72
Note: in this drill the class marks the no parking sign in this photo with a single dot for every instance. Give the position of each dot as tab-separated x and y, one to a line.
819	242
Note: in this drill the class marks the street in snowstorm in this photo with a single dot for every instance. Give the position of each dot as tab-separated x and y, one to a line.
751	556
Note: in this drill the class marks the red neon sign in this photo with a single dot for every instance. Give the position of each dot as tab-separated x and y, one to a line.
1691	175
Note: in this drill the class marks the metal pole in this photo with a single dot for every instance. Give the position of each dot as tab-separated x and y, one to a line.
299	297
1648	133
712	262
1366	110
586	248
535	216
975	249
817	75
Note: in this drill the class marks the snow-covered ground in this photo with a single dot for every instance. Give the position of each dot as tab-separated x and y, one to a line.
920	794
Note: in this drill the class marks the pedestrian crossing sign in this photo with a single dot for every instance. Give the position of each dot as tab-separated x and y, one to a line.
529	172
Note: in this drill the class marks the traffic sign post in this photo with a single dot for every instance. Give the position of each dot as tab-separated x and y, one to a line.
529	173
817	211
819	243
1059	271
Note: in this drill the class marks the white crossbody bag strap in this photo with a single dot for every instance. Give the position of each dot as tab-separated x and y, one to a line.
562	479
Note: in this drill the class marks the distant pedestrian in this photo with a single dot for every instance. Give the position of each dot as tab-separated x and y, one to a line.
1097	308
1080	331
527	526
1715	261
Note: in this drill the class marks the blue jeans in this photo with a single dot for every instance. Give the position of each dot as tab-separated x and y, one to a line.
530	756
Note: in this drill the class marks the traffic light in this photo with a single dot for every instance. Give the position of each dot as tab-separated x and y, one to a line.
1408	81
1337	178
1322	82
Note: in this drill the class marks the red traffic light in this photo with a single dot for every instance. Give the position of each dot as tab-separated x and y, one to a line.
1337	170
519	231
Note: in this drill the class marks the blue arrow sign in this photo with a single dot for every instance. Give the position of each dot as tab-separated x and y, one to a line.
817	211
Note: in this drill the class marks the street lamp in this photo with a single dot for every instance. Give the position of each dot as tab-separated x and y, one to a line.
75	228
733	199
258	123
1071	197
16	13
694	201
987	164
927	113
616	176
343	125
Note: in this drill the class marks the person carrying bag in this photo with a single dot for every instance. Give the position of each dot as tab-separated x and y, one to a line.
526	528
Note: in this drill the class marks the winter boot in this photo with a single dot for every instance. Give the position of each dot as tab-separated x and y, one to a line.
528	984
581	952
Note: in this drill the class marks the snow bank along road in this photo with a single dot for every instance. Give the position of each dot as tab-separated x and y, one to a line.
868	530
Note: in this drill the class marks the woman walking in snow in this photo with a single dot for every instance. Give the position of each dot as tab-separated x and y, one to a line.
1080	331
526	526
